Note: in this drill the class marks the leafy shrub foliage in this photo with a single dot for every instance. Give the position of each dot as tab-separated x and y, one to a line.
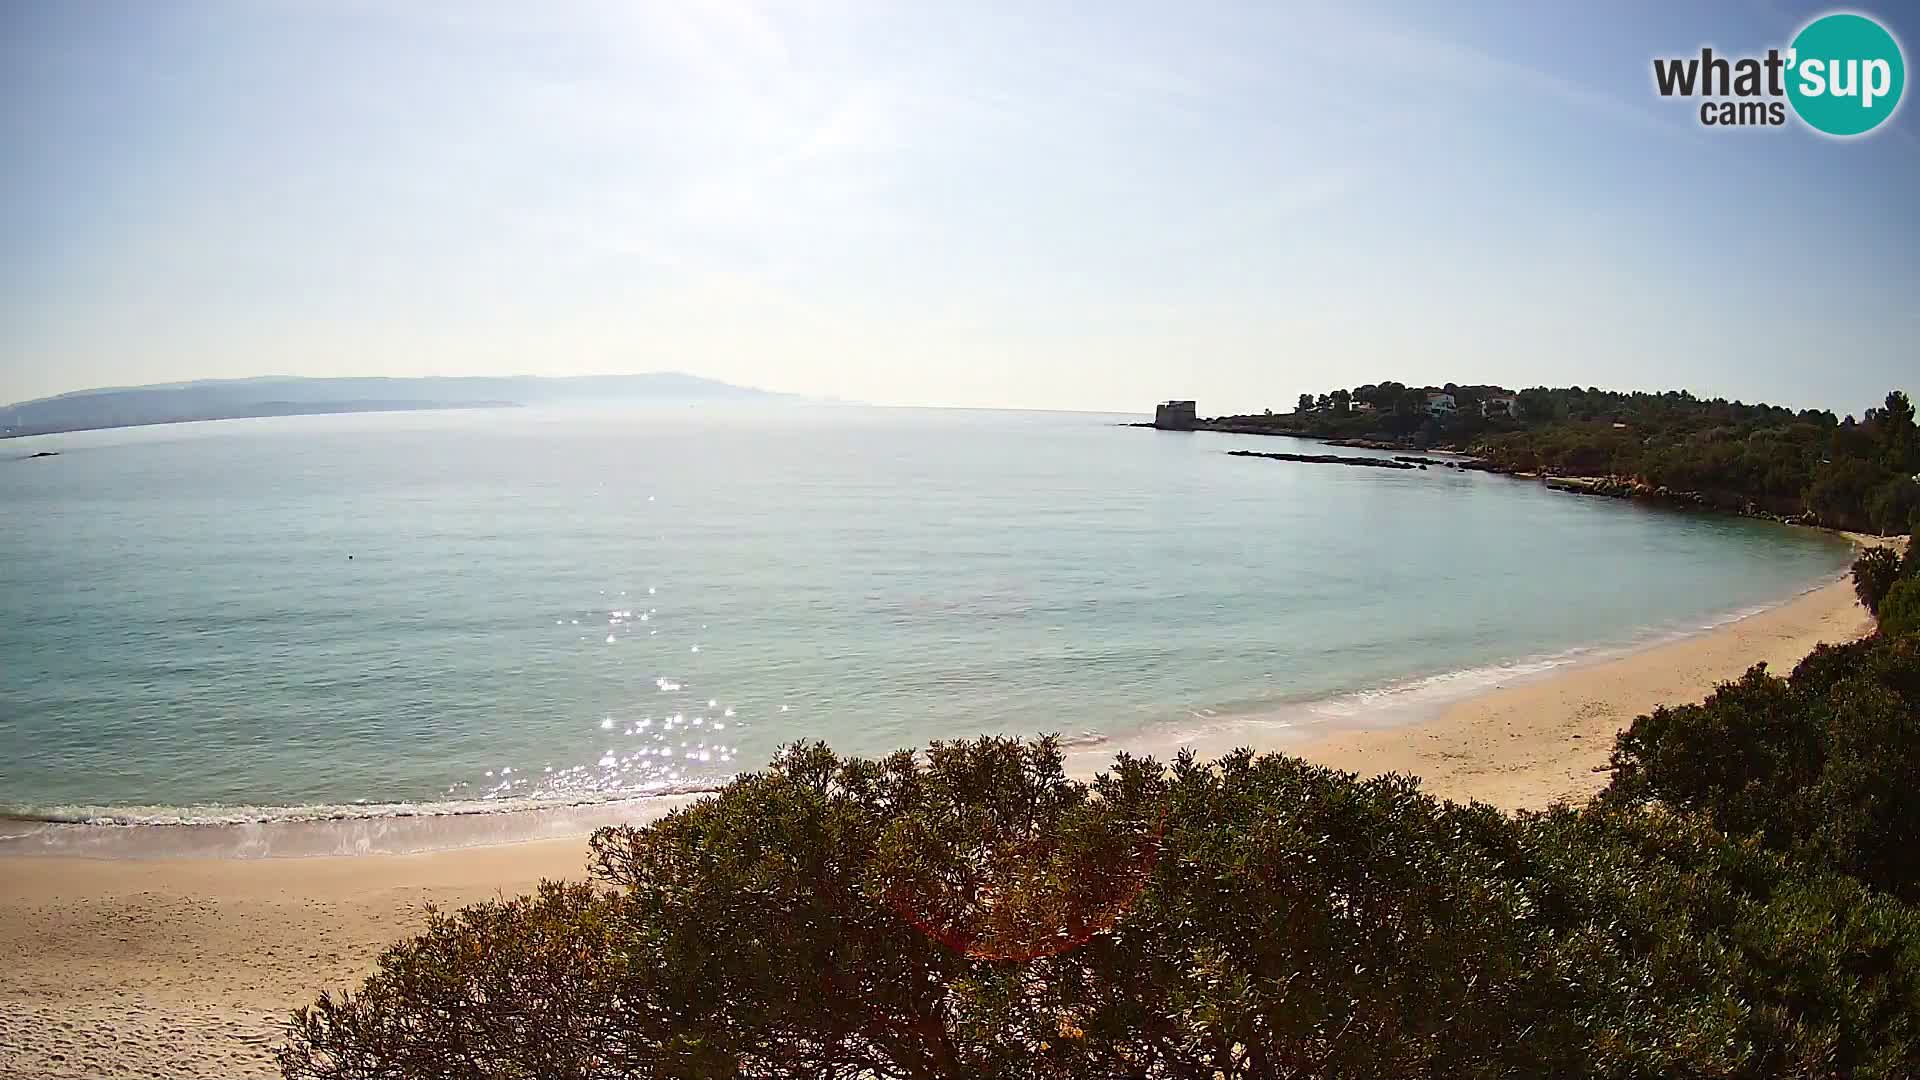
1878	572
1823	765
1874	573
970	911
1900	611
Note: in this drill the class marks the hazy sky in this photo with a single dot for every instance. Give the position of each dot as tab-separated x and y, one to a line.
1021	204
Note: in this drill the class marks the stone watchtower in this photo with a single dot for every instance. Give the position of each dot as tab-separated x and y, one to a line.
1175	416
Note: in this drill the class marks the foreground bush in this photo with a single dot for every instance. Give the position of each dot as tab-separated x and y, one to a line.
1823	765
971	912
1900	611
1722	958
1874	574
1879	571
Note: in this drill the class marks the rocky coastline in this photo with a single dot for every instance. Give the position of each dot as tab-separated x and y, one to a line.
1610	487
1622	487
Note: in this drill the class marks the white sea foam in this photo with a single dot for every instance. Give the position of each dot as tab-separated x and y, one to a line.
17	824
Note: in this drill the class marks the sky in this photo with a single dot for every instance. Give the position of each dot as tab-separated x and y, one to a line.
1028	204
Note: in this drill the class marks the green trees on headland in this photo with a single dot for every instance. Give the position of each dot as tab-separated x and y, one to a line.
1844	473
1739	903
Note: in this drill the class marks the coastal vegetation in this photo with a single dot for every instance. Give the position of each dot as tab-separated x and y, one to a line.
1875	573
1741	901
1889	586
1808	464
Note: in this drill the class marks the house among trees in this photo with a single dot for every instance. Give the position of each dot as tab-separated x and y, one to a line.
1441	403
1501	405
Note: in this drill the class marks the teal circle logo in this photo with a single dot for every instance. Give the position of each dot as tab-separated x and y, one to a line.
1845	74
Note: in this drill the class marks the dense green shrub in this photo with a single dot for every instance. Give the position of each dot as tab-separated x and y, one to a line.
1874	572
534	982
1823	765
1741	755
1900	611
975	914
971	912
1738	962
1878	572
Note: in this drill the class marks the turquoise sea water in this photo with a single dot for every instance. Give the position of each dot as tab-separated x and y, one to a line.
259	618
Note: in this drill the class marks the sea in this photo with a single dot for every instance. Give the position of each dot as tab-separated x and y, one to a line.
464	612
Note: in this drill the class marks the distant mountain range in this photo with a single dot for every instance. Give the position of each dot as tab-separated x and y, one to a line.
285	395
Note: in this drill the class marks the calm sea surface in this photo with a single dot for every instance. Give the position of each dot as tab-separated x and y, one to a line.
231	620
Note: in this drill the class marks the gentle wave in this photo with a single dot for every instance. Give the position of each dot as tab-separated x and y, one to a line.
1081	740
133	816
262	815
1422	697
1444	688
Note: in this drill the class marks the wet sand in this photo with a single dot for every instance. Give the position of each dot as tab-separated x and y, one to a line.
184	967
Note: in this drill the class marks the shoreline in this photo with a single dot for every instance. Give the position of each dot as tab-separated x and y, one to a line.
186	966
1547	739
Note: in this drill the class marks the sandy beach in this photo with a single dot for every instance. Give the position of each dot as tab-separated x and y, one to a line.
185	967
1537	743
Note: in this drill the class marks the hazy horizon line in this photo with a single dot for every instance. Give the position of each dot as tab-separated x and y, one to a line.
826	399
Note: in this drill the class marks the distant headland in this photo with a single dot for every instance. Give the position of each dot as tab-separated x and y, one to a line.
280	395
1803	466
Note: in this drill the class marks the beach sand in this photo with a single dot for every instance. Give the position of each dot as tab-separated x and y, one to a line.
1540	742
186	967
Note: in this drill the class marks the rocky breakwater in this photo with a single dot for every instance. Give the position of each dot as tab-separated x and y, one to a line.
1327	459
1612	487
